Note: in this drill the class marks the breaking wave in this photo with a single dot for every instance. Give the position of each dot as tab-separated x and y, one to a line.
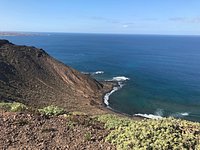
119	80
179	115
97	72
159	114
150	116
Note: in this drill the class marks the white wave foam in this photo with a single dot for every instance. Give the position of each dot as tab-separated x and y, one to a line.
185	114
180	114
120	78
106	97
159	115
98	72
150	116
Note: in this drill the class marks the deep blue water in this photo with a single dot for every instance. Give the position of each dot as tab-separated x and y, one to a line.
164	71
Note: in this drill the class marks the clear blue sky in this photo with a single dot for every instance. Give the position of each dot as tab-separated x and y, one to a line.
101	16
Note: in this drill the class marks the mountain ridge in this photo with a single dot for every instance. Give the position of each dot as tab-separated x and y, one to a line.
31	76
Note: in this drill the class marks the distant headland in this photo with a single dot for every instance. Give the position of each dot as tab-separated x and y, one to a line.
12	33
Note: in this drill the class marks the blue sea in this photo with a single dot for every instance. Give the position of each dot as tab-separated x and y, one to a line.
163	71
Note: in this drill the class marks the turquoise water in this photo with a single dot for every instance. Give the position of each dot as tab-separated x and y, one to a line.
164	71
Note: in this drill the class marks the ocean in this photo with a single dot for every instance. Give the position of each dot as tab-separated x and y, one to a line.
158	75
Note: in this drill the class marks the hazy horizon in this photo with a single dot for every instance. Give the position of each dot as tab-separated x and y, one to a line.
46	32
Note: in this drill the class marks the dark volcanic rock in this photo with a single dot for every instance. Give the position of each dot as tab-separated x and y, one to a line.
2	42
29	75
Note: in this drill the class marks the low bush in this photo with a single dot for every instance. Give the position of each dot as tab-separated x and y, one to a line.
51	111
13	107
113	121
88	136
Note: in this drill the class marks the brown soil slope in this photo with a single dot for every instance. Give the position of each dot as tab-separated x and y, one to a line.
20	131
29	75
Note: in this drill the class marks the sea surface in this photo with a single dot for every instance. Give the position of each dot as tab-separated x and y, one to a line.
158	75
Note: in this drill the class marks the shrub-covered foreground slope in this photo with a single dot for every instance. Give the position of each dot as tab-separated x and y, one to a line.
166	133
54	128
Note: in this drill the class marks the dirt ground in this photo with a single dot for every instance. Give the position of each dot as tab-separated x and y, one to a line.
34	132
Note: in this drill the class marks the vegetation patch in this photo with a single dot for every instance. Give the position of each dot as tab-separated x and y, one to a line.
166	133
13	107
71	124
88	136
114	121
51	111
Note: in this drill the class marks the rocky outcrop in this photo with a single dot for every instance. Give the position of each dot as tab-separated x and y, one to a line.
30	76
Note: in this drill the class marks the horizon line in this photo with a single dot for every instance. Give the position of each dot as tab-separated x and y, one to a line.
63	32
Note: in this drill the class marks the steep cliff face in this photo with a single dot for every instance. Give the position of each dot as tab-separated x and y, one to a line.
29	75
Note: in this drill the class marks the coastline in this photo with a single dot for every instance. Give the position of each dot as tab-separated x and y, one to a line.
108	88
59	85
117	85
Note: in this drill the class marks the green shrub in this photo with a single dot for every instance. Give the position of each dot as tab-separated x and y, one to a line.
162	134
51	111
113	121
71	124
88	136
13	107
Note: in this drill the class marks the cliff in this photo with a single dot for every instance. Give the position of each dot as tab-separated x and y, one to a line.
30	76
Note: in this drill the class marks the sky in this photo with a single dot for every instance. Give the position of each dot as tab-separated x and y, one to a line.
177	17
